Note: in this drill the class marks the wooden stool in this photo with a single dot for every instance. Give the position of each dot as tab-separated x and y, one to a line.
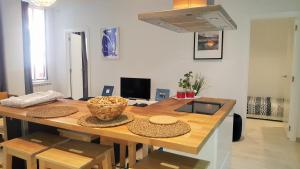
131	150
27	147
164	160
77	135
123	144
76	155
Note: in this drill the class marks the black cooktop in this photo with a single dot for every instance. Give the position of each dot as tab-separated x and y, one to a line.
200	107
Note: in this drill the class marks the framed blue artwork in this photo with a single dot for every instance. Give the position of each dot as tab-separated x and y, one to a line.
110	42
162	94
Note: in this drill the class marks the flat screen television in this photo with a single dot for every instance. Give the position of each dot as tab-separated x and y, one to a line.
135	88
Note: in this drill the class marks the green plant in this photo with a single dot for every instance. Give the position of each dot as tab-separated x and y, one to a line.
191	82
199	82
185	82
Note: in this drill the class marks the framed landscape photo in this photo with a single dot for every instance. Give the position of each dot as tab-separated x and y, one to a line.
110	42
208	45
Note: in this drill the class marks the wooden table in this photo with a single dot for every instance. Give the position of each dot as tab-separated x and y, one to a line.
202	126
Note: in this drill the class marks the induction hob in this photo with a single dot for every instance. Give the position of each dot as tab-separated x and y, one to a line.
200	107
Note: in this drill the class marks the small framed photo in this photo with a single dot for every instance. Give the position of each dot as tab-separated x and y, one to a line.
208	45
162	94
110	42
108	90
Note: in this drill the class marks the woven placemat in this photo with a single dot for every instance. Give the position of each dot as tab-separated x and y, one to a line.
94	122
144	127
52	111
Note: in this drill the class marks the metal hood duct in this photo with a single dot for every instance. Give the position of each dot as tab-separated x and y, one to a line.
191	16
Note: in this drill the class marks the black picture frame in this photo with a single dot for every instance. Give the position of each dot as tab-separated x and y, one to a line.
107	90
216	58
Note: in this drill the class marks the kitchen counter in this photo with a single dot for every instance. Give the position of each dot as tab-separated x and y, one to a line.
202	126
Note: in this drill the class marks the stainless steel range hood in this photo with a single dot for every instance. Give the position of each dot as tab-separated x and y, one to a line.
195	19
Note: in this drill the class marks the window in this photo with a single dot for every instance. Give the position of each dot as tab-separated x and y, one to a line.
37	31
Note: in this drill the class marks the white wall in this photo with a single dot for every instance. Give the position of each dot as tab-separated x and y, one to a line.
13	46
271	55
149	51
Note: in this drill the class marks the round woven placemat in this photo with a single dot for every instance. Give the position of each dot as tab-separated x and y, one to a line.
92	121
52	111
144	127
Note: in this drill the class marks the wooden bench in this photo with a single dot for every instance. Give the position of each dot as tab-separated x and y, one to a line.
76	155
165	160
77	135
27	147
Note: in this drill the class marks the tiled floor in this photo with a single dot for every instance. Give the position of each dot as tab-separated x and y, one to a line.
265	147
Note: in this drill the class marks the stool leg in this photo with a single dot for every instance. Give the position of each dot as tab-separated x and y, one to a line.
31	163
106	163
106	141
42	165
100	166
122	155
132	154
7	160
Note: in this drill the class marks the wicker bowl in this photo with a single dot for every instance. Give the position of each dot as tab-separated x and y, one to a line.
107	108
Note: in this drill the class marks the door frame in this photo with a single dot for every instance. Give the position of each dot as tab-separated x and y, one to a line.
294	120
293	116
67	33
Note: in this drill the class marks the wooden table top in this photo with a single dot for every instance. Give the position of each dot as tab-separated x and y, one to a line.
202	126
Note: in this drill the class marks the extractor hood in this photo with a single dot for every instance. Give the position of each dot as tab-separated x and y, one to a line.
191	16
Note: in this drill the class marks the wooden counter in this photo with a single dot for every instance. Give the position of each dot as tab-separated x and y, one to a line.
202	125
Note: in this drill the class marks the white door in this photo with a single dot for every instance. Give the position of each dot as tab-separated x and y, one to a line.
76	84
294	126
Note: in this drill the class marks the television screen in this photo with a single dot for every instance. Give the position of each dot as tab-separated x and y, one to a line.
135	88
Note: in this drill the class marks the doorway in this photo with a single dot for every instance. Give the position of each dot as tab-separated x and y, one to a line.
77	65
271	70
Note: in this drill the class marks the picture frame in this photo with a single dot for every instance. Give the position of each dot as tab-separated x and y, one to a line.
107	91
208	45
162	94
110	42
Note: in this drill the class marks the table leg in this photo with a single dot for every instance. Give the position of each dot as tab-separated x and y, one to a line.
123	155
24	128
5	129
145	150
131	154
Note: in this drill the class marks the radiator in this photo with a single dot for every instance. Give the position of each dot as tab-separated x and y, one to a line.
42	87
